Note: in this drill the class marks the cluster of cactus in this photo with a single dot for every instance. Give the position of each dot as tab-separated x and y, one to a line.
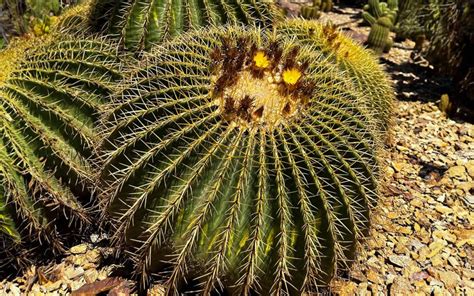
314	11
141	23
236	157
381	16
50	101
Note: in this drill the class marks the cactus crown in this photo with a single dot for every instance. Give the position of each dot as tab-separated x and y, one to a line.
256	86
234	152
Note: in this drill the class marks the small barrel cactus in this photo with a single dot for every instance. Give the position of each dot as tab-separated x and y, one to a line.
141	23
241	161
49	103
379	37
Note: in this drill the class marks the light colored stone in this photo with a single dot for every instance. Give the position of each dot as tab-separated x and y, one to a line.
400	260
470	168
79	249
91	275
457	171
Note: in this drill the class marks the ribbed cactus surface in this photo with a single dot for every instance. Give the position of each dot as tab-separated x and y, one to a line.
359	65
379	37
242	161
49	104
142	23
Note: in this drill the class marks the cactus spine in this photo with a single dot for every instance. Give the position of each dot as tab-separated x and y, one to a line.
379	37
141	23
235	152
361	66
49	103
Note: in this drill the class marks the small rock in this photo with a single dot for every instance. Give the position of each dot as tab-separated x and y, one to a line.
401	286
79	249
437	260
453	261
457	171
435	247
449	278
73	272
399	260
470	168
418	276
443	209
91	275
373	276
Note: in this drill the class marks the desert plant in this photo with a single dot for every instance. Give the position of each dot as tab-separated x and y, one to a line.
140	24
361	67
49	103
379	37
379	9
236	157
326	5
314	11
311	11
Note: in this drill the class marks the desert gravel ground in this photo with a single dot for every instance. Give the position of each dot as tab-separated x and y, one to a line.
422	238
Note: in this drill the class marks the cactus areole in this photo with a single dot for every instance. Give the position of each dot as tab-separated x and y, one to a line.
240	161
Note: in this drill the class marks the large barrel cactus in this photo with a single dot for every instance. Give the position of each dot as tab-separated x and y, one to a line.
242	161
49	103
141	23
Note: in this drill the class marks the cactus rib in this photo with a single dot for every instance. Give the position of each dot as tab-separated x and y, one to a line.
140	24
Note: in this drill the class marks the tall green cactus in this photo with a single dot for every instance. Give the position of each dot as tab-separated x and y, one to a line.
236	158
379	37
142	23
375	9
49	103
314	11
311	12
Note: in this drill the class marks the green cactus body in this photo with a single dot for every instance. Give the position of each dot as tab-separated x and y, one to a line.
375	8
368	18
310	12
235	158
49	104
142	23
360	65
326	5
379	37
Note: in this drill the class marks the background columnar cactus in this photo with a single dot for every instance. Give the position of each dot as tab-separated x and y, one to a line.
49	103
235	157
142	23
314	11
381	16
379	37
379	9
